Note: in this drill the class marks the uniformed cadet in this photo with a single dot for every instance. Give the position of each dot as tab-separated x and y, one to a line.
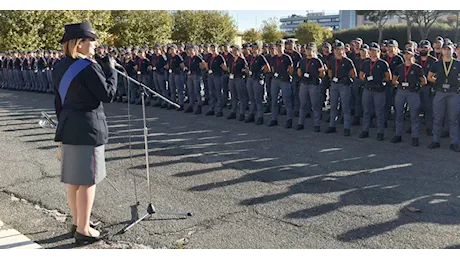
357	89
160	61
408	78
2	79
271	57
457	51
17	76
48	59
375	73
42	65
130	66
426	94
193	67
258	65
282	68
175	82
295	56
341	72
310	71
393	60
225	52
326	57
215	67
206	56
437	46
445	73
237	85
25	71
143	70
34	72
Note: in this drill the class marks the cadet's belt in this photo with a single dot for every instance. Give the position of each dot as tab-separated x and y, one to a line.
283	77
447	88
375	87
411	88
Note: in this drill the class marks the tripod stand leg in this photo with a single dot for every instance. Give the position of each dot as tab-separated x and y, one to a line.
135	222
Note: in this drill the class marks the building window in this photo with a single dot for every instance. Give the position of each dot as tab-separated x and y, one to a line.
324	20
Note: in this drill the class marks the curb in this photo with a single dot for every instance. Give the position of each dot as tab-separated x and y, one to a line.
12	239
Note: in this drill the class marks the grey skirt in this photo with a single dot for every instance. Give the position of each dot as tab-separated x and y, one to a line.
82	164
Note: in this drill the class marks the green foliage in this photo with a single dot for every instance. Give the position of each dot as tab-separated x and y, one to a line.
270	32
219	27
398	32
188	26
20	29
312	32
252	35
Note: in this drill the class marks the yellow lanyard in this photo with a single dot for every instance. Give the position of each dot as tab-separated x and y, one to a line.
447	70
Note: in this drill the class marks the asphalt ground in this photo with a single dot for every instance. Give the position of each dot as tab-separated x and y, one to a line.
248	186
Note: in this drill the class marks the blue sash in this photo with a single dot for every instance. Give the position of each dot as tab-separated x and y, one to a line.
69	75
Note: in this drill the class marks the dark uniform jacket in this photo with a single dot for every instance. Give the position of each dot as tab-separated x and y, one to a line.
81	118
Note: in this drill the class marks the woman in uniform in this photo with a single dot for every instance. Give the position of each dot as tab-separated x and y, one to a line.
81	86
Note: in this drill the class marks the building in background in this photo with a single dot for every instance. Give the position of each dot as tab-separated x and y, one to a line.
291	23
350	19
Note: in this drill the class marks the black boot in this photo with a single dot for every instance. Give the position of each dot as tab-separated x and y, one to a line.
454	147
434	145
299	127
415	141
317	129
250	119
288	124
241	117
273	123
331	130
198	110
364	134
346	132
379	137
220	114
180	108
232	115
210	113
260	121
396	139
189	109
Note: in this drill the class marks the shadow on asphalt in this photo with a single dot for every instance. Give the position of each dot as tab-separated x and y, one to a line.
335	169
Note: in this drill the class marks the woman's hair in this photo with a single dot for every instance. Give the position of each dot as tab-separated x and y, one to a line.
70	48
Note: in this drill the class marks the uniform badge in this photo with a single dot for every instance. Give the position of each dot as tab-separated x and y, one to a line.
412	72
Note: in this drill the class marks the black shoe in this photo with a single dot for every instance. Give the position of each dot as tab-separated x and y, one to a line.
198	110
181	108
260	121
331	130
232	116
415	141
273	123
445	134
317	129
299	127
82	240
346	132
434	145
288	124
241	117
250	119
220	114
164	106
454	147
396	139
379	137
210	113
364	134
429	132
189	109
73	228
355	121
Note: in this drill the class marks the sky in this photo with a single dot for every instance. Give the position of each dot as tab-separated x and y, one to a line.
253	19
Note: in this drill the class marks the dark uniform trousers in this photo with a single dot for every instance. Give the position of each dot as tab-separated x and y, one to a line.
176	86
160	84
413	100
451	102
49	79
286	92
343	92
295	92
256	96
426	98
194	89
43	80
239	94
377	99
207	95
25	77
357	92
310	99
268	89
215	93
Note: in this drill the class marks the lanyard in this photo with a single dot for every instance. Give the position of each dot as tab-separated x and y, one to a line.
234	64
438	56
212	59
406	72
155	61
423	63
307	65
278	61
391	59
447	70
372	65
189	63
139	66
337	66
170	62
252	61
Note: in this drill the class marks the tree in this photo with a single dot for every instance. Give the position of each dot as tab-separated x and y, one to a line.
408	16
380	17
252	35
270	32
20	30
188	26
141	27
425	20
219	27
312	32
454	23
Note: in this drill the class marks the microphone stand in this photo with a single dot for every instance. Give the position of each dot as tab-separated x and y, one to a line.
150	208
